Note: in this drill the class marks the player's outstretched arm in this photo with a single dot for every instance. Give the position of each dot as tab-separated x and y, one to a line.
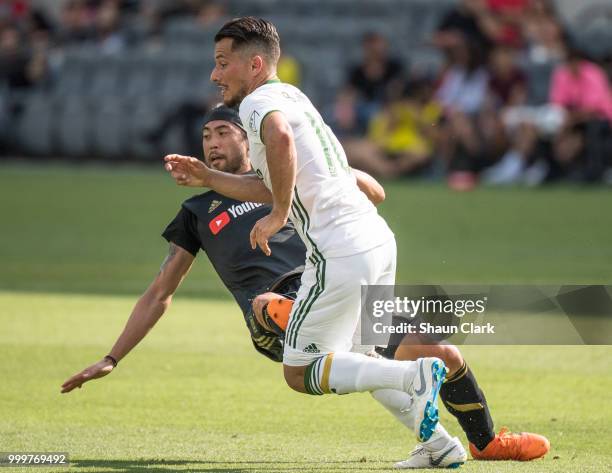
370	187
281	157
191	172
147	311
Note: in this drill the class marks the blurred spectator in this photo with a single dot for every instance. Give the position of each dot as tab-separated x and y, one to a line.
76	22
462	94
468	21
483	22
210	13
377	72
533	122
463	86
373	79
343	114
507	81
399	139
545	49
20	68
568	137
582	89
108	35
543	31
507	18
13	11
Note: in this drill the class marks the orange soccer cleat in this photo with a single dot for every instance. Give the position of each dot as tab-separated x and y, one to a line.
510	446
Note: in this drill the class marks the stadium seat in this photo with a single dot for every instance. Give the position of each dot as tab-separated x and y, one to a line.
33	129
74	126
144	115
105	76
140	74
110	122
75	73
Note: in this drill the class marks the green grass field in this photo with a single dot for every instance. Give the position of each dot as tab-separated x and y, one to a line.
77	246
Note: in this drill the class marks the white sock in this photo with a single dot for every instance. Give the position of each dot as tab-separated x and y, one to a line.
399	404
438	440
345	372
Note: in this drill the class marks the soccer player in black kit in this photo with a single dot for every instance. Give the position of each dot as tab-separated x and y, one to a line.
220	226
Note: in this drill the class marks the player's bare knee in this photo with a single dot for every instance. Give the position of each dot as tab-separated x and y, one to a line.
451	356
294	376
411	349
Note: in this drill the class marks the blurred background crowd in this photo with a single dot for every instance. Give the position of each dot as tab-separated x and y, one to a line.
471	91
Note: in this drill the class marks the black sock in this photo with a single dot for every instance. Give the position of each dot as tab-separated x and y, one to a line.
464	400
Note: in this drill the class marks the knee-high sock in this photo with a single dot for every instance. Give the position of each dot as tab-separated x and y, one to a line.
344	373
399	404
466	401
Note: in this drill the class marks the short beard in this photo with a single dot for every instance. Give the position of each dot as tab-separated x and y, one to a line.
234	101
232	166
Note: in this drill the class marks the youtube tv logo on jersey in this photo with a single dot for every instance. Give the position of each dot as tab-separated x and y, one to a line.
217	223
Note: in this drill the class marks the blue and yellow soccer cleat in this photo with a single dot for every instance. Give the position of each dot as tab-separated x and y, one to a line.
424	390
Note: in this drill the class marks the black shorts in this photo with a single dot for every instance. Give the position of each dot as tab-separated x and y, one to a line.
265	342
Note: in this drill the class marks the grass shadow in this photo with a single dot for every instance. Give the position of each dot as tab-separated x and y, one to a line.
210	466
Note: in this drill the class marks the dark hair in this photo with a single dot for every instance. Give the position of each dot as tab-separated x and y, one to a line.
227	114
252	31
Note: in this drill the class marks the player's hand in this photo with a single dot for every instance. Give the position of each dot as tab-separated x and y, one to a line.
263	231
187	171
97	370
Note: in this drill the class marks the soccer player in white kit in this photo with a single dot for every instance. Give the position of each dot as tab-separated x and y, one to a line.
302	170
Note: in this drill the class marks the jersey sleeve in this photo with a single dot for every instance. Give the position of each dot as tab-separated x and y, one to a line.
253	111
182	231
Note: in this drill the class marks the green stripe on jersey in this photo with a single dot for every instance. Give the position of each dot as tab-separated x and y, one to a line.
261	124
324	144
343	164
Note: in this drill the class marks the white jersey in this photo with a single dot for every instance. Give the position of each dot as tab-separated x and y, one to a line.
330	213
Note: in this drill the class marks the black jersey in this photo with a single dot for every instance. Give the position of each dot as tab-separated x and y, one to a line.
221	227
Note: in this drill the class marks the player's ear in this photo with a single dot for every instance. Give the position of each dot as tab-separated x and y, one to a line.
257	64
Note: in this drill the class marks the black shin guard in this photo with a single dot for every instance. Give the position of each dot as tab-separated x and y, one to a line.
464	400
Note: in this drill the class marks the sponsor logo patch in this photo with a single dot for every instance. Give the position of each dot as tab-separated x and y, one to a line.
253	121
219	222
312	348
235	211
213	206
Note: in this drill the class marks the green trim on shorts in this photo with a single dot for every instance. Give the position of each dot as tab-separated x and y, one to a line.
315	291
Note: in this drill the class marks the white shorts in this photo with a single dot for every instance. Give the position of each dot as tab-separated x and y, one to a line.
327	310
